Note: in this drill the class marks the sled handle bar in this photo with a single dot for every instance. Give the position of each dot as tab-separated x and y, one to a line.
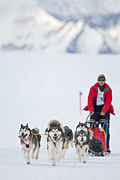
96	113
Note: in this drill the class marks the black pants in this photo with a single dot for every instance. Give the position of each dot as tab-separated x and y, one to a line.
96	116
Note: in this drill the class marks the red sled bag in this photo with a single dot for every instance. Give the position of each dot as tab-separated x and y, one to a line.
101	136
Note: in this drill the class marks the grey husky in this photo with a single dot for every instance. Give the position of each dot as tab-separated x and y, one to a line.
30	140
55	141
68	139
82	140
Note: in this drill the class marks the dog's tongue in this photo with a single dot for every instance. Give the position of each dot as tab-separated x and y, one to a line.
55	137
24	136
20	136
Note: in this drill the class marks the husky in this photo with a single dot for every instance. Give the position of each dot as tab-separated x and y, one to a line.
68	139
55	141
68	134
82	140
84	127
30	140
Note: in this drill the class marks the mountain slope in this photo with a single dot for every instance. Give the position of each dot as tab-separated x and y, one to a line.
31	28
91	10
26	26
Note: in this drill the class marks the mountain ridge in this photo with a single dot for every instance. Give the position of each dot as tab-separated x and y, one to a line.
33	28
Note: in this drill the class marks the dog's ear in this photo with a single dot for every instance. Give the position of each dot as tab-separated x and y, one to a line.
78	125
59	124
27	125
86	124
46	131
21	125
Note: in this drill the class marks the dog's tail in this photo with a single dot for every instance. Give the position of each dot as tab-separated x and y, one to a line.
35	131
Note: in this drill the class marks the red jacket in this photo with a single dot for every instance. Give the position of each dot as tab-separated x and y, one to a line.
107	98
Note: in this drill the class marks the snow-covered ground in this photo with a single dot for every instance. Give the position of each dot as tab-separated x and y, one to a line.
13	167
35	88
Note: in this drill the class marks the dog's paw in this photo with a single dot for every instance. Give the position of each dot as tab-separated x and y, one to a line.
36	157
28	162
84	162
53	164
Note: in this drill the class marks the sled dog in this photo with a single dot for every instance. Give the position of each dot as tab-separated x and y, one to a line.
55	141
68	139
30	140
68	134
82	139
84	127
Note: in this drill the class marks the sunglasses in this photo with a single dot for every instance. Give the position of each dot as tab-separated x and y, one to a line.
101	79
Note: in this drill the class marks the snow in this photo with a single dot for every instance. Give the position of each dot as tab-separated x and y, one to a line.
74	10
90	42
32	28
115	33
91	27
36	88
13	167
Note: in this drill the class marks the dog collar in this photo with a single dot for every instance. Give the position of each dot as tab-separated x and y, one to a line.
27	146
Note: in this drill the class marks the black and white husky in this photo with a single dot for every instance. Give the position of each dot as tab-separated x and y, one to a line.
82	139
68	139
68	134
55	141
29	141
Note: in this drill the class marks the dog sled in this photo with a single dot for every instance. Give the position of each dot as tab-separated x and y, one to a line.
98	143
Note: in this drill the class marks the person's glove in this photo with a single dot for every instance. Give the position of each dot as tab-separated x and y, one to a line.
91	113
102	113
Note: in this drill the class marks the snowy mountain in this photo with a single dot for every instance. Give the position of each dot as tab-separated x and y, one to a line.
82	27
93	11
